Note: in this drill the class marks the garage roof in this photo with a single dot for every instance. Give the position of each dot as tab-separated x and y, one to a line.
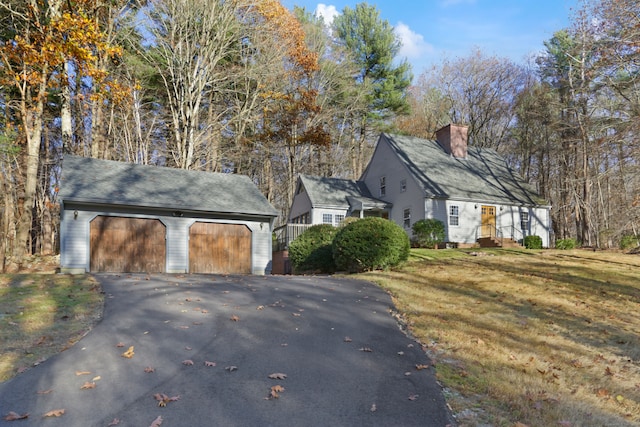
86	180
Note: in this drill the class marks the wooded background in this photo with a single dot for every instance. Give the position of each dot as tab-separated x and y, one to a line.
248	86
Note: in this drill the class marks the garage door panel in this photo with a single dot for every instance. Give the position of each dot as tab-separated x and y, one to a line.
219	248
133	245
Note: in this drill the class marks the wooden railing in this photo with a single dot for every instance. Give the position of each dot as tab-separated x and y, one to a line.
285	234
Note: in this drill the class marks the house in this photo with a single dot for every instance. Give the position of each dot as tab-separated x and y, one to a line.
320	200
123	217
470	189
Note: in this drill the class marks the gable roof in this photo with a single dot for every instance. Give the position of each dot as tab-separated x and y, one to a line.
483	175
86	180
339	193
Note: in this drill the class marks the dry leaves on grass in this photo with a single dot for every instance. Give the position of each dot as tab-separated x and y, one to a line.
13	416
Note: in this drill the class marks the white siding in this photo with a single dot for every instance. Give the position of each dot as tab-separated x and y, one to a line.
385	163
74	241
177	244
261	246
318	213
468	221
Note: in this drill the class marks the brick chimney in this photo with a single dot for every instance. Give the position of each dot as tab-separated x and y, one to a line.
453	138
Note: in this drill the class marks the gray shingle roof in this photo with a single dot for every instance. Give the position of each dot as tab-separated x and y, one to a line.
336	192
116	183
483	175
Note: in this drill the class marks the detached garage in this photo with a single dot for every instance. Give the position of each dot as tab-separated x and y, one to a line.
122	217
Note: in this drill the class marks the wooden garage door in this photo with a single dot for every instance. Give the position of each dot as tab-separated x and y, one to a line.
132	245
219	248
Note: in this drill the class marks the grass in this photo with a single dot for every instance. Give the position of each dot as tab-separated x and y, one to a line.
541	338
43	314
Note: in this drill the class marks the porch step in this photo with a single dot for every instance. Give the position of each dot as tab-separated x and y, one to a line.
494	242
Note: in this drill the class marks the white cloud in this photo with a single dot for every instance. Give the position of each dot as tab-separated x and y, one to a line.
413	44
328	12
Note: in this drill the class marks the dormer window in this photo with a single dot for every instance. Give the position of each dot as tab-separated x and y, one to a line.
383	186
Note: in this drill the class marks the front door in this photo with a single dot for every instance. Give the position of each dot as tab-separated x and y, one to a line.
488	221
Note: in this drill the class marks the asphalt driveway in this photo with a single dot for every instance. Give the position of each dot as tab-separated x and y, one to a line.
235	351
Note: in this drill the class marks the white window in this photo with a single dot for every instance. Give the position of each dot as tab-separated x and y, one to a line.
524	221
407	218
454	217
327	219
338	219
383	186
403	185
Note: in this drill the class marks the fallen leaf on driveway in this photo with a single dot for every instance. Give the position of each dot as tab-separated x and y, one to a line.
78	373
413	397
274	392
366	349
209	364
149	369
44	391
347	339
187	362
163	399
120	345
373	408
88	385
278	376
115	422
421	367
234	318
54	413
231	368
157	422
12	416
129	353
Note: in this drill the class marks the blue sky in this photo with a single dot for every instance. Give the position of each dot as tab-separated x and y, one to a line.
433	29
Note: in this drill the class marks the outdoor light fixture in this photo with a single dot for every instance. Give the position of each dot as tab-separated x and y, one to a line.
475	206
75	214
178	213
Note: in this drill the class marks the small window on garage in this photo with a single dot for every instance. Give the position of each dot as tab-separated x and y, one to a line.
454	216
327	218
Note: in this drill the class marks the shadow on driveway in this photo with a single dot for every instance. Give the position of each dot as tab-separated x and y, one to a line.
214	341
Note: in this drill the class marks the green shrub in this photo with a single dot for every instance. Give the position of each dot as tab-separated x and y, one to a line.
428	232
566	244
533	242
629	241
370	243
311	251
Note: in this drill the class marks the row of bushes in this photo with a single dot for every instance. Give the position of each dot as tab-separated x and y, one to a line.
362	245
